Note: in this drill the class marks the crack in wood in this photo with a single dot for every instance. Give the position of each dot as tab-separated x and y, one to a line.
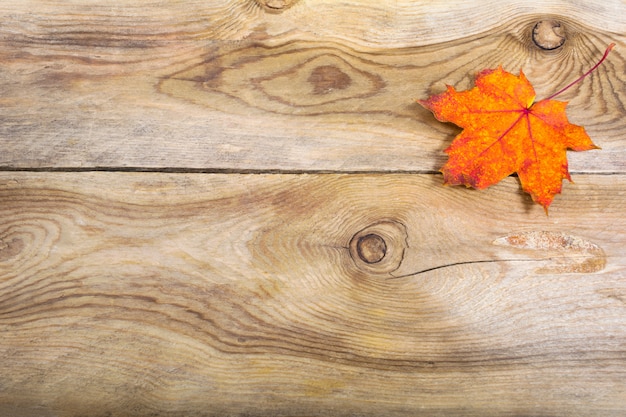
434	268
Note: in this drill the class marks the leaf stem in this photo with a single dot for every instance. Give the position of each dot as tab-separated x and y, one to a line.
579	79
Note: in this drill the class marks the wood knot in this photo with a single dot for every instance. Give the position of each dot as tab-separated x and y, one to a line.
371	248
327	78
11	248
275	6
379	248
285	79
549	34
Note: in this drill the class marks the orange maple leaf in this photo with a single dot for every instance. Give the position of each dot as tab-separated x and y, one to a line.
506	131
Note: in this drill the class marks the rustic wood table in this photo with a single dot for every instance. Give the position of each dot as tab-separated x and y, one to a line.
213	208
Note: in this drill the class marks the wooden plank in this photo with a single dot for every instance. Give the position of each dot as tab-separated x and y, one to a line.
281	85
136	294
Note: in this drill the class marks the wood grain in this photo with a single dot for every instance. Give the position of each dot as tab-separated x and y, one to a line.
284	86
294	252
224	294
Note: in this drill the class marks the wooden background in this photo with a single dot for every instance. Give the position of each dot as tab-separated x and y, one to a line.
214	208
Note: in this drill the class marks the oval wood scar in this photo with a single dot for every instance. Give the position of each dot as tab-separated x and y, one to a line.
577	255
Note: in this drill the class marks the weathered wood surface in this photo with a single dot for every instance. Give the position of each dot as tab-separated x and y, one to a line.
322	85
207	294
276	287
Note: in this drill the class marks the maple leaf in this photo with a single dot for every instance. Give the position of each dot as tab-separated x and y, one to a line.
505	131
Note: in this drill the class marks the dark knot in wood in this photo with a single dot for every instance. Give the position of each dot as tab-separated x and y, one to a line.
371	248
548	34
10	248
327	78
379	248
276	6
